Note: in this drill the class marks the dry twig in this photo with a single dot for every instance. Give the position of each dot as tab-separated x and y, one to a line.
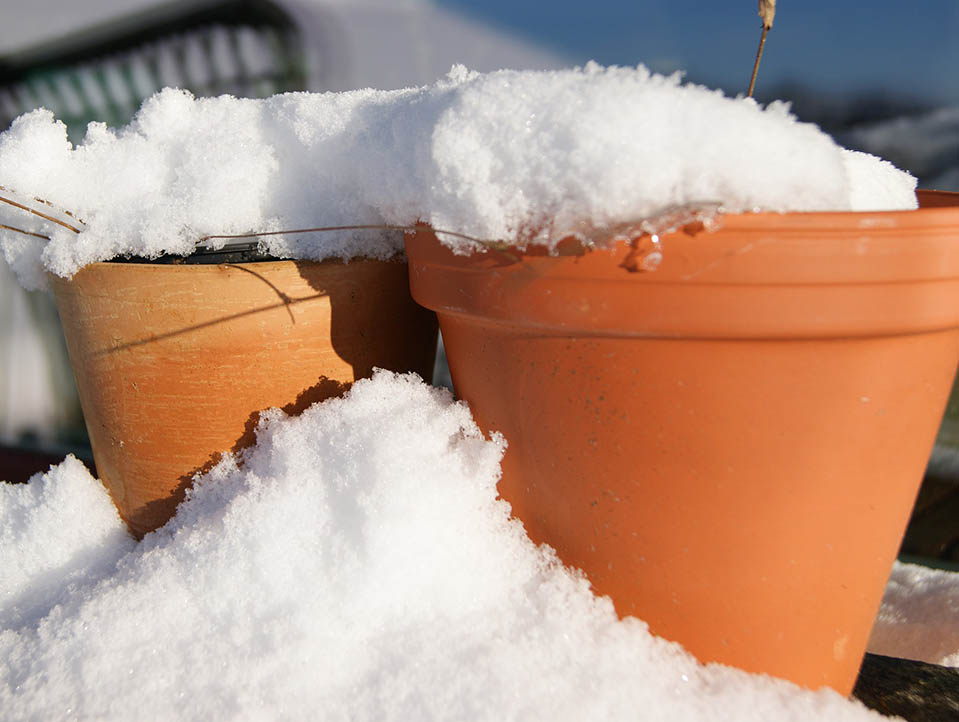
5	227
44	216
767	11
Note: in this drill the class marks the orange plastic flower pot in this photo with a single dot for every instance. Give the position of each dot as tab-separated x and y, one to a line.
174	362
729	445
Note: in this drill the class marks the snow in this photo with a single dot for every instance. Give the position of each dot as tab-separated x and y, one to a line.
354	564
927	142
876	184
521	156
919	616
56	532
35	372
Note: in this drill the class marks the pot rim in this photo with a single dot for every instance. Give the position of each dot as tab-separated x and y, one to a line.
937	209
819	248
767	275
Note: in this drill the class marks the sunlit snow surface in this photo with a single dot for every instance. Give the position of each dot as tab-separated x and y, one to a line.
509	155
355	565
919	617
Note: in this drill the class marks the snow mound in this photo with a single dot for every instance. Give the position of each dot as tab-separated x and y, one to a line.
519	156
919	616
354	564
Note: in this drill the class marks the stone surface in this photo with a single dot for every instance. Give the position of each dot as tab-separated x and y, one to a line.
915	691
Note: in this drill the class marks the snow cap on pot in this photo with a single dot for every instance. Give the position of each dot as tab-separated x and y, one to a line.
515	156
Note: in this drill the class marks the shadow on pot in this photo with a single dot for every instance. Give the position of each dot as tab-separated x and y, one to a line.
325	388
174	362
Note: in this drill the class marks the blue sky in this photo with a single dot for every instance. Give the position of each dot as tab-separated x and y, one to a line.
908	47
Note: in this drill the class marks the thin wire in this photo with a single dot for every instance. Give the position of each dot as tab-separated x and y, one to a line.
320	229
248	235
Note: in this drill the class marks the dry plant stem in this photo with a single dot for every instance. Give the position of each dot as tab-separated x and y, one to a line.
64	211
767	11
35	212
759	55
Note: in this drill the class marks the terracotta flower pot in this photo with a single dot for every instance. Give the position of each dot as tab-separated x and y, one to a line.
729	446
174	362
